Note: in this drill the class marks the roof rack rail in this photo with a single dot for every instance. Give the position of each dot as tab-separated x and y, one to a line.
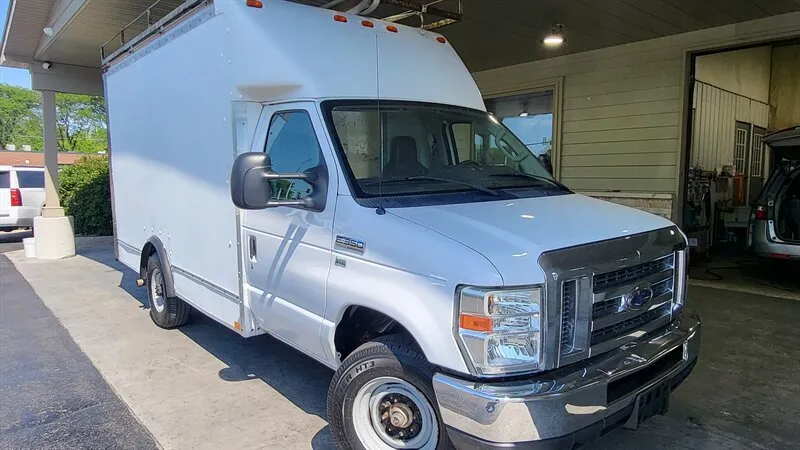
422	9
153	27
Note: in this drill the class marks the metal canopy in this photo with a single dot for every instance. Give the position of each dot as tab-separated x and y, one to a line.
490	34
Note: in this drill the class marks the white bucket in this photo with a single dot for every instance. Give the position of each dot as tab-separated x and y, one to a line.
30	247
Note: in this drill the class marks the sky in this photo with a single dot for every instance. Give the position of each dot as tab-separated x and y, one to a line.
17	77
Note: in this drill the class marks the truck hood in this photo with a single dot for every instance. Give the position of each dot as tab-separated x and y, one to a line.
513	234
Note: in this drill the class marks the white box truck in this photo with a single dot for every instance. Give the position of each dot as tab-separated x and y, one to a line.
335	181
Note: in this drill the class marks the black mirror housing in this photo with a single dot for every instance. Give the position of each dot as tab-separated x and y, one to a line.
250	187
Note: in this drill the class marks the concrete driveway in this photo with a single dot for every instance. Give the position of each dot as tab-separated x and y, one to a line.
205	387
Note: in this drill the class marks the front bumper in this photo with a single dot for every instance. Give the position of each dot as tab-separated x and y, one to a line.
572	404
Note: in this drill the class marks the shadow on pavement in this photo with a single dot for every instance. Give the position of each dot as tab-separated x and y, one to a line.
12	240
300	379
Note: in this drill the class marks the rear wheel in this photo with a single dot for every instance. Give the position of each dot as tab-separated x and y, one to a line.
381	398
166	312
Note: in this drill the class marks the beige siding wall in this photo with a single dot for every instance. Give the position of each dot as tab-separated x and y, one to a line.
621	116
716	112
785	88
622	106
744	72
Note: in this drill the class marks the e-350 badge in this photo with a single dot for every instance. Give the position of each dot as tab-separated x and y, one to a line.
353	245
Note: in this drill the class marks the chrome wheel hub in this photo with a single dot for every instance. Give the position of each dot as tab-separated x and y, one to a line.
157	290
390	413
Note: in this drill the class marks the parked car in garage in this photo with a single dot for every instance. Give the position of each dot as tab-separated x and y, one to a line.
775	220
21	196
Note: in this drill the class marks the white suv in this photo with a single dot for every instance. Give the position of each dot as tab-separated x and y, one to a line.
21	196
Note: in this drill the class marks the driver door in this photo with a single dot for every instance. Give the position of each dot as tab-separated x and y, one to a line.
287	250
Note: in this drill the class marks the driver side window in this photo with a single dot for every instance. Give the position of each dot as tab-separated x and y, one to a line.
292	146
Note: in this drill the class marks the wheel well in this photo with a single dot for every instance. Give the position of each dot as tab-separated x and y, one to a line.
148	250
360	324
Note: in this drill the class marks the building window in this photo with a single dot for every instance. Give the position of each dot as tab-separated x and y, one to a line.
530	118
757	154
740	147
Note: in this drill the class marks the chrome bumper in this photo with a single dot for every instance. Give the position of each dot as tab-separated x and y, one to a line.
565	404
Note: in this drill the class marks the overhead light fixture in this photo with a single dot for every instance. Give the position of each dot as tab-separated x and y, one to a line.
48	31
556	38
47	65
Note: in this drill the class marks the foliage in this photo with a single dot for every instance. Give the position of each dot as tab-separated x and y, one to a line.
81	123
18	107
86	195
81	120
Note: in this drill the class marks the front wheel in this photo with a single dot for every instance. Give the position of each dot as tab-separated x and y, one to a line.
381	398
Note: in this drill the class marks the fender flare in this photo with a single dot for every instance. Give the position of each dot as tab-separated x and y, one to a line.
154	245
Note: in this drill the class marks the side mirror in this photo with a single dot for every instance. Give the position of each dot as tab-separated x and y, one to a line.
251	189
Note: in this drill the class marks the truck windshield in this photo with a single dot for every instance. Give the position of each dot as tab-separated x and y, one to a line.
405	148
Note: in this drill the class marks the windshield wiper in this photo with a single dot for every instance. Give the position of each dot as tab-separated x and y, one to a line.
476	187
530	176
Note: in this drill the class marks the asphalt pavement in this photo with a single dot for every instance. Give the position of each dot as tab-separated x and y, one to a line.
12	240
52	395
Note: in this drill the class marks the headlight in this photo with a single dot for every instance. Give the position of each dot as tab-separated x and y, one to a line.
499	330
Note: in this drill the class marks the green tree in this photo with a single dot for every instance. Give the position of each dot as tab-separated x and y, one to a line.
20	111
81	123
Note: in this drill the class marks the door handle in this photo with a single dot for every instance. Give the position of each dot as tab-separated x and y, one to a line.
253	251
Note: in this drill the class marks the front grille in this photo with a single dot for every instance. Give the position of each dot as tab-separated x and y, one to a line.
632	324
607	307
595	304
569	297
612	318
608	280
613	306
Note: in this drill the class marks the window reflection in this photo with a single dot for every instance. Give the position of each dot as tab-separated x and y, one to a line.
530	118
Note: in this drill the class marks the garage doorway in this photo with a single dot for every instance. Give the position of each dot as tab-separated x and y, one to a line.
736	97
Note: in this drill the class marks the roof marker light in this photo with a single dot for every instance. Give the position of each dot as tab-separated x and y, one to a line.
340	18
441	40
367	23
255	3
391	28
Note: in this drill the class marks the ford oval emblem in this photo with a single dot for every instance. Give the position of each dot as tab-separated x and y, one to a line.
639	297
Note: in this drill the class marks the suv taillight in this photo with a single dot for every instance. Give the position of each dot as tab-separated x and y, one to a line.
16	197
761	213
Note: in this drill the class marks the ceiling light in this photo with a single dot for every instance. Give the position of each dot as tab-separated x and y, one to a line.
48	31
556	38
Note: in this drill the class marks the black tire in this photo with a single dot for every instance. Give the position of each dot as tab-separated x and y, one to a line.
391	355
175	312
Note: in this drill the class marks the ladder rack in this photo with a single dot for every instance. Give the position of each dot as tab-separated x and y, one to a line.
121	43
152	29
